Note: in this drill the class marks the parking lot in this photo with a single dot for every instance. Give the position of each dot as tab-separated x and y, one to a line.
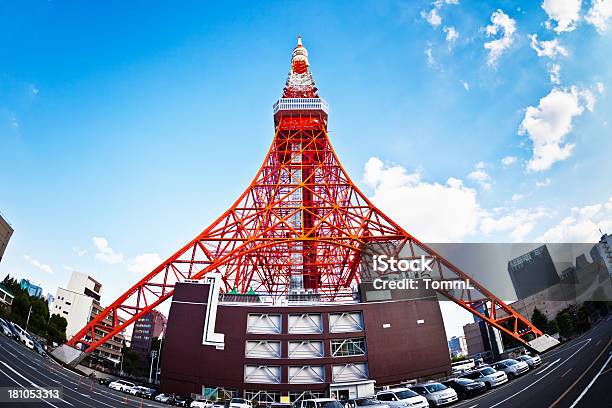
574	375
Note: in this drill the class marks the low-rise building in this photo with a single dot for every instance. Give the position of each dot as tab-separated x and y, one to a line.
6	299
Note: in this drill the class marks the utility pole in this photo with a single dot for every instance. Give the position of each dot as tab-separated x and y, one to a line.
153	355
28	321
161	340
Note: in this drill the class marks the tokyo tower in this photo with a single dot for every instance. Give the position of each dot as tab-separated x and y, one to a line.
301	226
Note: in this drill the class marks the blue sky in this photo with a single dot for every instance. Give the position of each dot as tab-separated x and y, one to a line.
139	123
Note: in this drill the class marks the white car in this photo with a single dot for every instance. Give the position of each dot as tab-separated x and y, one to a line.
487	375
437	394
319	403
121	385
405	395
163	397
201	404
24	337
240	403
532	361
511	367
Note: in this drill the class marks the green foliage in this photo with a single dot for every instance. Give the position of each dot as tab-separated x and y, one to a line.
539	320
52	328
457	358
553	327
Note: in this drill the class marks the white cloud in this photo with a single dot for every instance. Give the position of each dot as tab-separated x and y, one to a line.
68	268
424	209
432	17
582	225
38	265
542	183
600	87
599	14
565	12
518	223
451	34
555	73
517	197
548	124
465	85
14	122
508	160
480	175
430	58
105	252
144	263
34	90
79	251
504	26
549	49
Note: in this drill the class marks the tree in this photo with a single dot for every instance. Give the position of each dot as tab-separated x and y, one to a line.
539	320
566	324
57	329
553	327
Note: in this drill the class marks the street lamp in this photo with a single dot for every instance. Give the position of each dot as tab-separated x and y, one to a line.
28	321
161	340
153	355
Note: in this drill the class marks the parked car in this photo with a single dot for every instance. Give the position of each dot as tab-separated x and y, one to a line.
437	394
163	398
27	340
319	403
5	329
511	367
105	381
239	403
405	395
137	390
180	401
121	385
532	361
366	402
465	388
39	348
201	404
149	393
16	333
487	375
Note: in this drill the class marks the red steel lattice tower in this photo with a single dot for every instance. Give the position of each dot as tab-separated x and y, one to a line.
301	225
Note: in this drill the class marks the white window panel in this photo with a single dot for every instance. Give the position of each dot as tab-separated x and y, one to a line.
306	374
262	374
263	349
349	372
345	322
264	323
305	323
305	349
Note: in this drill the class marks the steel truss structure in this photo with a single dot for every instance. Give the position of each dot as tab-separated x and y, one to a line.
301	225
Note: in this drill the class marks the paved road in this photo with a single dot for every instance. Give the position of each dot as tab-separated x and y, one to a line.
21	367
576	375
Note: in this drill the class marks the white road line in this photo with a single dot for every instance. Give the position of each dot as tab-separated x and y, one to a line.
542	377
18	383
591	383
547	366
473	406
34	385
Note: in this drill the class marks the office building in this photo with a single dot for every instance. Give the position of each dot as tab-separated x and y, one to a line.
457	346
602	252
532	272
147	328
32	288
6	231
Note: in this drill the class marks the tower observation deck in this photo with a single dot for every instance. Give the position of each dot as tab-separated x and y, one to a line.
301	226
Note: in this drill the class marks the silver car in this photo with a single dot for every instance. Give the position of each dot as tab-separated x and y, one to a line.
532	361
367	402
436	394
511	367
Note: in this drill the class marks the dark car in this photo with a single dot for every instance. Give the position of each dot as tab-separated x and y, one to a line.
465	387
105	381
39	348
16	335
180	401
149	393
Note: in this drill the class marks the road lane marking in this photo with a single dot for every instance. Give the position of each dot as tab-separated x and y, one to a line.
591	383
597	344
547	366
554	353
565	373
18	383
582	375
473	406
542	377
